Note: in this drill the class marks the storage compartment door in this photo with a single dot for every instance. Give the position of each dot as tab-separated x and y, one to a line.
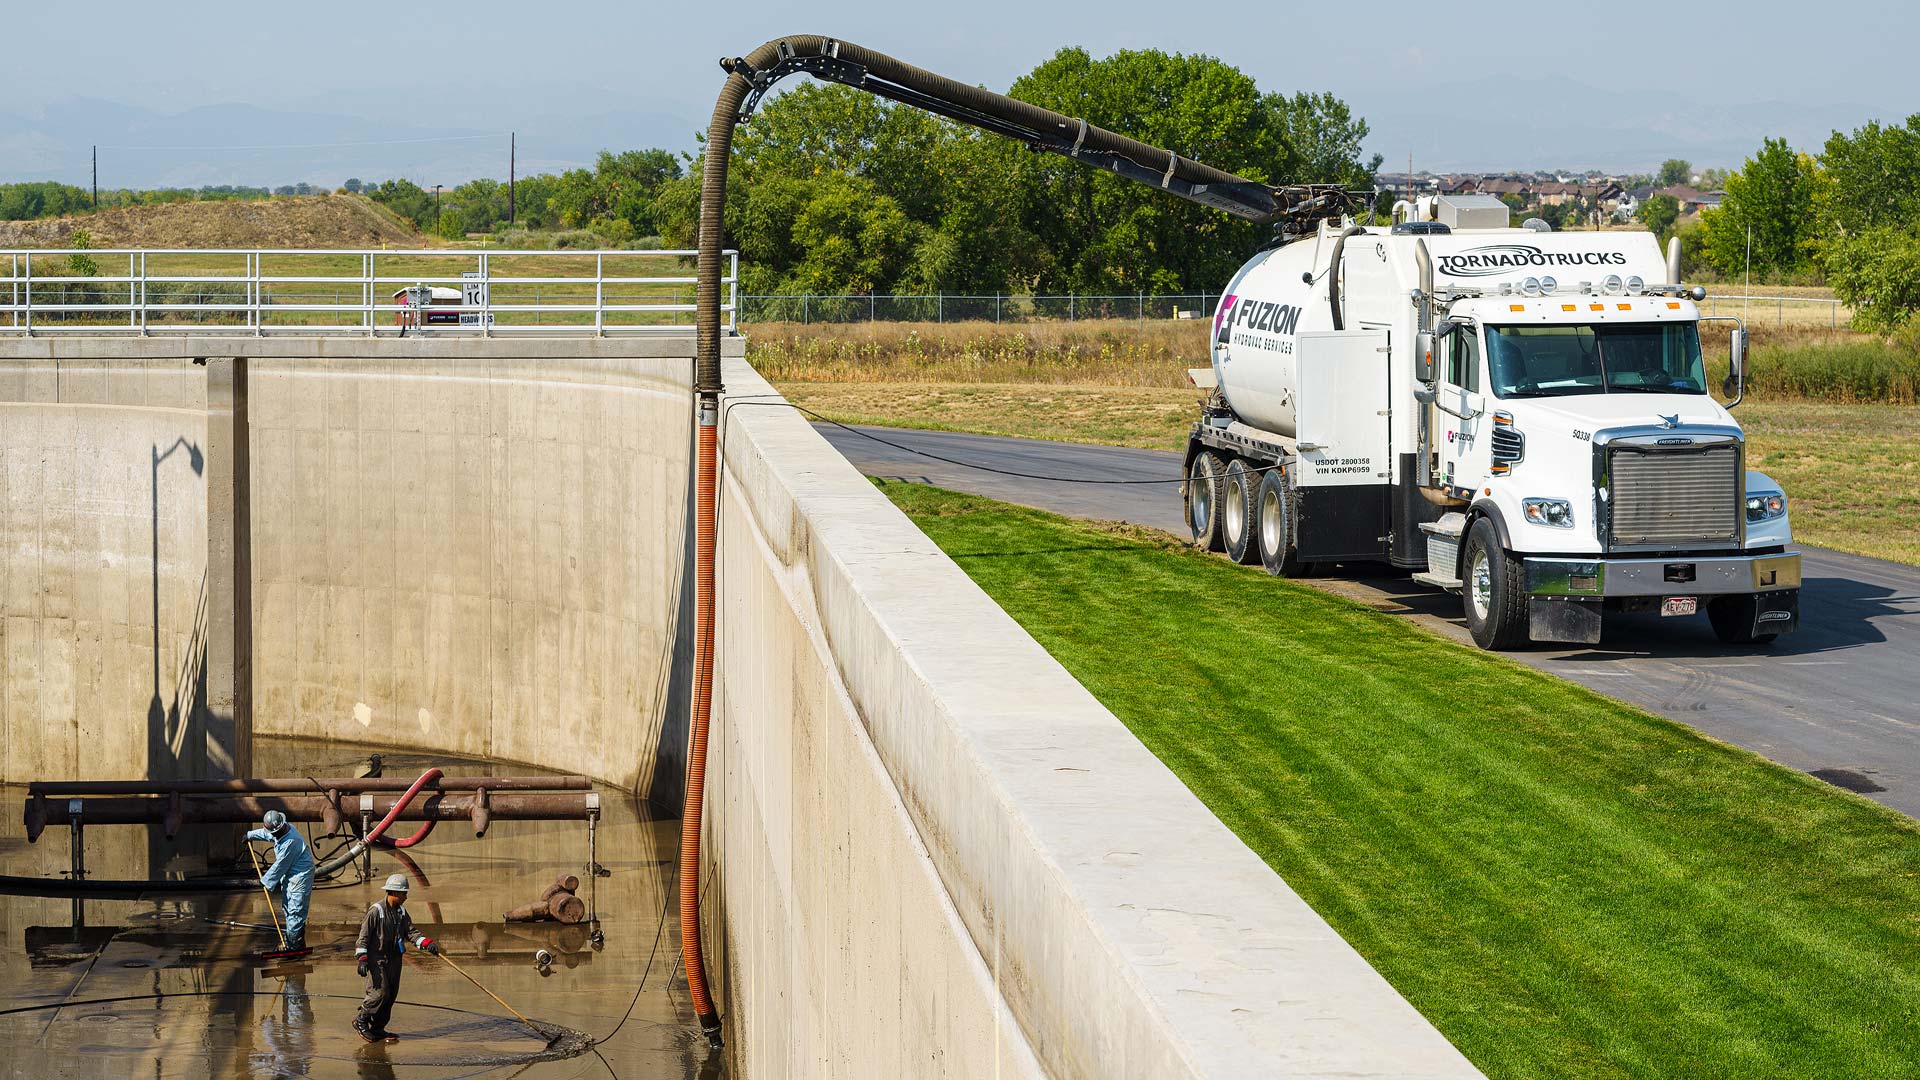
1342	409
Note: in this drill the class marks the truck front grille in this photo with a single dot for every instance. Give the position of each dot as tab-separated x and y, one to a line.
1675	497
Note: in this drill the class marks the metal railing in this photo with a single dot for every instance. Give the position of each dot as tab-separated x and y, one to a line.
265	291
1805	310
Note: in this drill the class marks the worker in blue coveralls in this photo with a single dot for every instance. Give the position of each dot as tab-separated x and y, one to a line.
291	873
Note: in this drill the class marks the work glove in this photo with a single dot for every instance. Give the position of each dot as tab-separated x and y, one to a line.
360	964
432	946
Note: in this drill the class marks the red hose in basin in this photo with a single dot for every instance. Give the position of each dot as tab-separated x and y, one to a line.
375	837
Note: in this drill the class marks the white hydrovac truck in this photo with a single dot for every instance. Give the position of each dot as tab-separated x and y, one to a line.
1518	415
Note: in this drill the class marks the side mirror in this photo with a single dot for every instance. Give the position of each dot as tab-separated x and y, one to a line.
1423	345
1736	384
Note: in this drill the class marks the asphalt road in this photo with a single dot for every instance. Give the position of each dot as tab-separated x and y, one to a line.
1840	698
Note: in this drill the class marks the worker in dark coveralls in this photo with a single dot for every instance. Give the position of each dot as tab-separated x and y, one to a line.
384	934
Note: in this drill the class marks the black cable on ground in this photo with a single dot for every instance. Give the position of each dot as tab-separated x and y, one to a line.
965	464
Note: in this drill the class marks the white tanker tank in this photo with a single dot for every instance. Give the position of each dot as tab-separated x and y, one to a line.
1273	298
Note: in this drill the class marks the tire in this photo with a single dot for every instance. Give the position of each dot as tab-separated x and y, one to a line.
1203	500
1733	617
1493	590
1239	499
1273	527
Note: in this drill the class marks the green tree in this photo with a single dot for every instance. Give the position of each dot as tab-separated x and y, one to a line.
1877	271
79	264
1658	213
1105	234
1675	171
1875	173
1772	200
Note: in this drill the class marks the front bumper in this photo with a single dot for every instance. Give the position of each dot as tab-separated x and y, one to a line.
1720	575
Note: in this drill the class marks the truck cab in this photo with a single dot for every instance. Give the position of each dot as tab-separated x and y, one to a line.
1522	417
1583	430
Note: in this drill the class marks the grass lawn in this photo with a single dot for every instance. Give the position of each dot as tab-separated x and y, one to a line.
1566	886
1852	471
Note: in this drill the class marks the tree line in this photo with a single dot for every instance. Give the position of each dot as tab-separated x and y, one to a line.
834	191
1849	215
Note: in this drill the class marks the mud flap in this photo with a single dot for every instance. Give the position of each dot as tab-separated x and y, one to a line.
1574	621
1777	612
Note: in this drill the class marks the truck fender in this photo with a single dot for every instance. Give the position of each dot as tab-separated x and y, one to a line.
1483	508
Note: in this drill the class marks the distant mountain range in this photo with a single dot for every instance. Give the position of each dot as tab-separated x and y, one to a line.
1488	124
1553	123
249	144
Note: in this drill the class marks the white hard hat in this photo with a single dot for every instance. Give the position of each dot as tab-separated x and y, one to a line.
397	883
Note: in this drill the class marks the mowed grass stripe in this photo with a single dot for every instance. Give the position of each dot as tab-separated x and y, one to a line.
1565	885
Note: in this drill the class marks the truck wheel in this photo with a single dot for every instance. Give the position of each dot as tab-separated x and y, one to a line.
1239	503
1493	590
1273	527
1733	619
1203	500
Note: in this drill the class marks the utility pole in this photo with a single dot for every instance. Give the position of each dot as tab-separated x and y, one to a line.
436	205
512	139
96	177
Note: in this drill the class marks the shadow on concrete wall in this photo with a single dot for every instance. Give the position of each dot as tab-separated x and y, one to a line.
172	741
666	792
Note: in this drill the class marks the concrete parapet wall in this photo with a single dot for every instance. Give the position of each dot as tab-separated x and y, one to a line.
880	720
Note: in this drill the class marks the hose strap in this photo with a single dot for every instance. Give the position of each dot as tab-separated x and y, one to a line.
1079	138
1173	160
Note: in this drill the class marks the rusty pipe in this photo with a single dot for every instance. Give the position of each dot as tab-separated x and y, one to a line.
136	810
349	786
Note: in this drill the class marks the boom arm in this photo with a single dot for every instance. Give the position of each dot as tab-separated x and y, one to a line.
1040	129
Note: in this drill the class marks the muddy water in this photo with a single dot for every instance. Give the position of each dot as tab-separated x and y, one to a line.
174	987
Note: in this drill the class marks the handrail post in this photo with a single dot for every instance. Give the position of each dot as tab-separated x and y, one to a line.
733	290
486	297
599	294
29	301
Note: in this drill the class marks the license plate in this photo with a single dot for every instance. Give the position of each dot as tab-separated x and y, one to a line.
1679	605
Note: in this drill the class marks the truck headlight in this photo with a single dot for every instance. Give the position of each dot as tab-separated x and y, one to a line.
1765	505
1553	513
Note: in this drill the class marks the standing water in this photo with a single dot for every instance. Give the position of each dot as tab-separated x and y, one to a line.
174	986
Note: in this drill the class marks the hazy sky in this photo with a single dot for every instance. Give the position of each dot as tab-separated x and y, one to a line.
1462	82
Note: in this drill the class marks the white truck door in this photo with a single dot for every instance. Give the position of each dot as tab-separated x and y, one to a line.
1342	409
1459	427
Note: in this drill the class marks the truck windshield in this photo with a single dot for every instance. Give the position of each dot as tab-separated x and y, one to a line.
1605	358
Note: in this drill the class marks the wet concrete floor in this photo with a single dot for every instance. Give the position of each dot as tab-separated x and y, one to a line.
174	987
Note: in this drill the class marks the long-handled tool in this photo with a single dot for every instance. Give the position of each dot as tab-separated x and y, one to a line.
283	952
271	910
531	1026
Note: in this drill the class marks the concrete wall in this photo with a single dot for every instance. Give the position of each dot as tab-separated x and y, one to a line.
937	855
457	544
103	547
478	550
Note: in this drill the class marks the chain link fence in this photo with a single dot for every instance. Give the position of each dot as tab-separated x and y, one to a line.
941	308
